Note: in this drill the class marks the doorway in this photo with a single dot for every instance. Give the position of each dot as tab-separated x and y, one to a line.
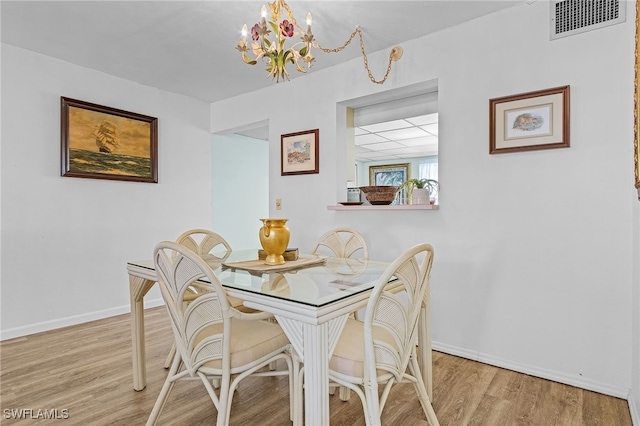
239	187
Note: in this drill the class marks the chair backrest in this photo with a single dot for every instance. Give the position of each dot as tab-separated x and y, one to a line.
393	315
203	242
178	268
343	242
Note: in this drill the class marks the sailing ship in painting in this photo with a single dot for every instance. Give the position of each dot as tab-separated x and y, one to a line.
106	159
107	136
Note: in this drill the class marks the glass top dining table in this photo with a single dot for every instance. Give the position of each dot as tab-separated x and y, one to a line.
311	298
312	280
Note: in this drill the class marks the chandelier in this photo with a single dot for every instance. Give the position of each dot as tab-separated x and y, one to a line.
268	38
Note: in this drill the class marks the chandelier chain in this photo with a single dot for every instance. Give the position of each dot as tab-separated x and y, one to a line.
364	55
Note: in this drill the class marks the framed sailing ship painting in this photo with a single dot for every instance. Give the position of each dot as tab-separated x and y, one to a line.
106	143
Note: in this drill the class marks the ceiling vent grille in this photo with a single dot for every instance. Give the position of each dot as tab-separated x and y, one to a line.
569	17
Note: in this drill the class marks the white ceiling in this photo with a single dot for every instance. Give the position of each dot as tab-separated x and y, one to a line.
188	47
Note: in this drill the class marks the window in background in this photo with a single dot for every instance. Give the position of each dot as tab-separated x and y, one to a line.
428	169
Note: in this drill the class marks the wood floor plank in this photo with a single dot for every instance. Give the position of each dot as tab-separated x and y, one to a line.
600	411
492	411
471	382
86	371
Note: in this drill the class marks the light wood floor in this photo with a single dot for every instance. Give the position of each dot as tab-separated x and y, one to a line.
86	370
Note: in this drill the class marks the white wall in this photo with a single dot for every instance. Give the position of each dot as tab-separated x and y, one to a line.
66	241
240	179
534	251
634	399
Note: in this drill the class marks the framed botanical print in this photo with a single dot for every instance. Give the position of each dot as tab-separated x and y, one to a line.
529	121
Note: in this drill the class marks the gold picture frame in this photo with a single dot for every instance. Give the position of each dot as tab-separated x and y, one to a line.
388	174
100	142
636	108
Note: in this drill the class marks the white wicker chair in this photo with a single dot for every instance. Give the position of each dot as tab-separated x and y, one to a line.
343	242
203	242
214	340
382	349
214	249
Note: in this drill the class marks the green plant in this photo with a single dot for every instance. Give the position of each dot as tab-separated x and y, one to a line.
411	184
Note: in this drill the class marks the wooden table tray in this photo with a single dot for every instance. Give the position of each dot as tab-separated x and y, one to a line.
259	265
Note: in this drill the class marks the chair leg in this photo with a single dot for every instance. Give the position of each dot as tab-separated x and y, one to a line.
421	390
363	396
225	395
345	393
372	410
164	392
298	415
170	356
293	382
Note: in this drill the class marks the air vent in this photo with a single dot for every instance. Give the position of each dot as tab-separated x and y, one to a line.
569	17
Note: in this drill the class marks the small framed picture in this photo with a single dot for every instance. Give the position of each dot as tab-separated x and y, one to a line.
106	143
388	174
300	153
529	121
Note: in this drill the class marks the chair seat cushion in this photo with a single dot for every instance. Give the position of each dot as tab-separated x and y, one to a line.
250	340
348	357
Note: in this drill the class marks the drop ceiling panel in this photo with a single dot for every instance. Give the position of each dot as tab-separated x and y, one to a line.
431	128
388	125
384	146
419	141
369	138
423	119
408	133
397	139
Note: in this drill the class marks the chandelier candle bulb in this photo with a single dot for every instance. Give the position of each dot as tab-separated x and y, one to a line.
309	20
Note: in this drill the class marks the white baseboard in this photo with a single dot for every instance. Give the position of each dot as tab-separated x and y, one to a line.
12	333
555	376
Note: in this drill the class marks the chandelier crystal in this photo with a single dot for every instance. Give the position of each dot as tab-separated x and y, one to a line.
268	38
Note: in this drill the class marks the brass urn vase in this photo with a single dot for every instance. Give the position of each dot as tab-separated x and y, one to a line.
274	238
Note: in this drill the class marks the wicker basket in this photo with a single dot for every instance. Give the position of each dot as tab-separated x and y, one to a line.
380	195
